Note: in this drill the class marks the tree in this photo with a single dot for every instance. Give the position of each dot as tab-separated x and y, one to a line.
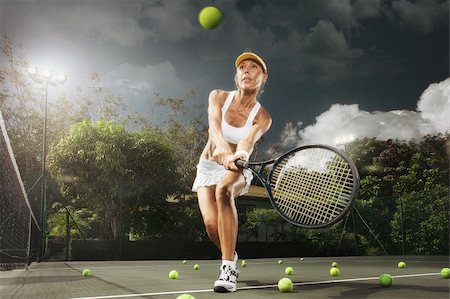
421	219
104	167
186	132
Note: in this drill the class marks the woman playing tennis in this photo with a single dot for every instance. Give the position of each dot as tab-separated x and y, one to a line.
236	122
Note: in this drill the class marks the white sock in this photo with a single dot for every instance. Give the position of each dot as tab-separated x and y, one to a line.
231	264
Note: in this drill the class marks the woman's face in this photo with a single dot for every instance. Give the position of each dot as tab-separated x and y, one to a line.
250	75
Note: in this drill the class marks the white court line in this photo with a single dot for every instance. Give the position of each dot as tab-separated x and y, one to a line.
253	287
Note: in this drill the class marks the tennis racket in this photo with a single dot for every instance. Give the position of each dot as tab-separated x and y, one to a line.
311	186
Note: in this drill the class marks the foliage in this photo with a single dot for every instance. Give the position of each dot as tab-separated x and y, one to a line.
261	218
80	221
168	221
99	164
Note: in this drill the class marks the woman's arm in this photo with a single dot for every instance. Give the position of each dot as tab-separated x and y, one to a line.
222	148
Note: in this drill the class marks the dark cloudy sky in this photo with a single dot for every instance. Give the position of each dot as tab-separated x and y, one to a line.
337	68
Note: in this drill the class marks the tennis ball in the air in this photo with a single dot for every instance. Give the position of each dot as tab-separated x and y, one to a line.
210	17
280	262
445	273
289	270
86	272
401	264
334	264
173	274
184	262
386	280
185	296
244	263
285	285
334	271
196	267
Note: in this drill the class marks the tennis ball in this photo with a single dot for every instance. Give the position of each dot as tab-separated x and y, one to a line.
86	272
334	264
196	267
334	271
280	262
244	263
386	280
301	259
184	262
185	296
285	285
289	270
401	264
173	274
210	17
445	273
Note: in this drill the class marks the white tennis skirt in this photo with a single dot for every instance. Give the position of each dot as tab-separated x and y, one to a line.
210	173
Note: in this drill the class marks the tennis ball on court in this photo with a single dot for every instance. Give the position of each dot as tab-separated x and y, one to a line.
386	280
196	267
445	273
280	262
301	259
334	271
401	264
184	262
244	263
334	264
210	17
285	285
173	274
86	272
185	296
289	270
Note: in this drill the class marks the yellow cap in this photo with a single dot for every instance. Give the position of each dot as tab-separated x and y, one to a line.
252	56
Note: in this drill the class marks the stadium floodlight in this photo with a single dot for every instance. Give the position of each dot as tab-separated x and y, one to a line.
47	77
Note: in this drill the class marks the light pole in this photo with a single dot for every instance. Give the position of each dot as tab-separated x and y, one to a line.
46	77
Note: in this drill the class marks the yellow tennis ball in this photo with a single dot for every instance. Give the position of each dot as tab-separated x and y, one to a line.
445	273
210	17
334	264
386	280
301	259
401	264
196	267
289	270
244	263
334	271
285	285
184	262
173	274
280	262
185	296
86	272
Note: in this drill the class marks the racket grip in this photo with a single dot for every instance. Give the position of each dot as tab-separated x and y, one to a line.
241	163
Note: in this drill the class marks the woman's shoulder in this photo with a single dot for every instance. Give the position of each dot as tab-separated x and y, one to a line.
263	116
218	95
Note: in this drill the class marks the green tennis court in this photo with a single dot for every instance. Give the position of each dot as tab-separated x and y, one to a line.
149	279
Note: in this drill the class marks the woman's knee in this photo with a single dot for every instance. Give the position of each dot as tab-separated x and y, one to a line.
210	224
224	193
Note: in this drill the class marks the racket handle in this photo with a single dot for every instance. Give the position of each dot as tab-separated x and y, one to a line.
241	163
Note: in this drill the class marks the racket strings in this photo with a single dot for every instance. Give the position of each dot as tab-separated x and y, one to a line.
312	186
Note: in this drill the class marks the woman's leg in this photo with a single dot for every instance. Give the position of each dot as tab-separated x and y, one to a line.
208	208
226	191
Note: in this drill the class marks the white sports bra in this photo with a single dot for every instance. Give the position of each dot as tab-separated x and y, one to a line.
233	134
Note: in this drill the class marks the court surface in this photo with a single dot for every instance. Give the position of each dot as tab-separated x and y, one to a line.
149	279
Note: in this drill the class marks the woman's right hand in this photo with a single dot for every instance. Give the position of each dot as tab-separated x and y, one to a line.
221	155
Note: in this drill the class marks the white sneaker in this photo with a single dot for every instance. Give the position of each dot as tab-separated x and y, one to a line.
227	280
